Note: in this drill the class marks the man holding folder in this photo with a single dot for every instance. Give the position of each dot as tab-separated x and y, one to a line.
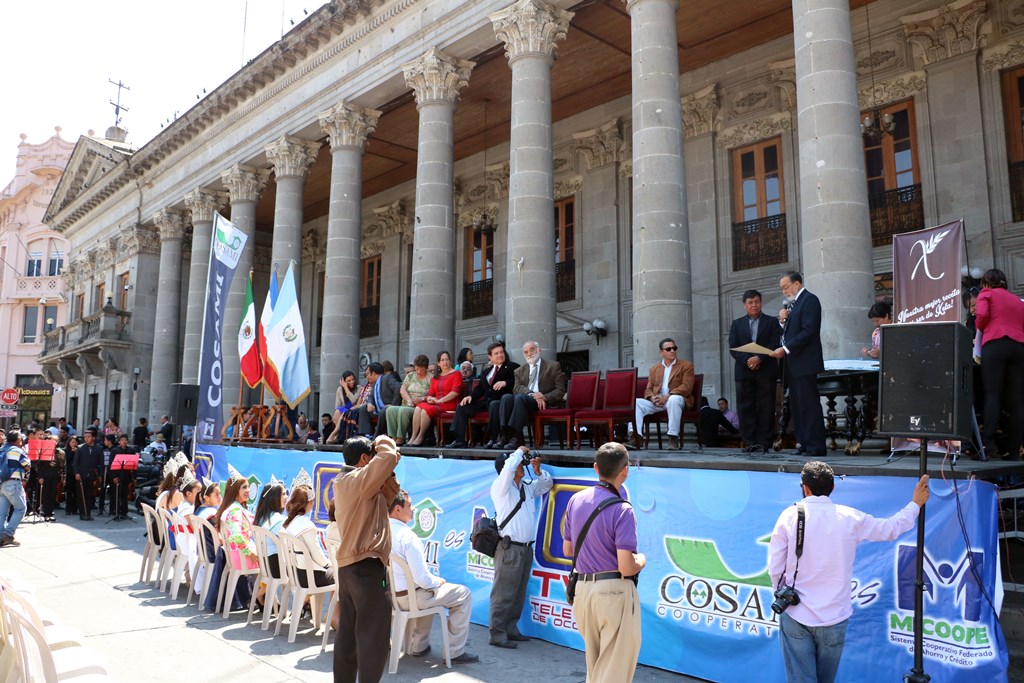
756	373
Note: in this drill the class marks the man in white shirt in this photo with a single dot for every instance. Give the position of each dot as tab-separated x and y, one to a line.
431	590
514	557
813	631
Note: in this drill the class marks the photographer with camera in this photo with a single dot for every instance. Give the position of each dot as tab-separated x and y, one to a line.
810	560
515	502
601	527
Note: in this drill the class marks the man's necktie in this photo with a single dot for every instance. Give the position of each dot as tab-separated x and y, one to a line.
490	377
534	369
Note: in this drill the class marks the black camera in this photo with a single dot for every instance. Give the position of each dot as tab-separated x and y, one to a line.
785	597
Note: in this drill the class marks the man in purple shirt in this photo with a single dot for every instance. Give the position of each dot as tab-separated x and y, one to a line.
813	631
607	607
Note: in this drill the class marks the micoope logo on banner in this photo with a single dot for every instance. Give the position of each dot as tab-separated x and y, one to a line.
952	626
707	593
478	564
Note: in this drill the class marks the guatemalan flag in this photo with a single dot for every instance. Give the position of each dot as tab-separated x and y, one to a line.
286	344
270	374
248	351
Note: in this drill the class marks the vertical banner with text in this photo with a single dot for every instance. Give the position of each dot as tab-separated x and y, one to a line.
926	274
228	242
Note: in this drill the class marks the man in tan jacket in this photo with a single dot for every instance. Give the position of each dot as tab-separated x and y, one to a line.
362	494
669	387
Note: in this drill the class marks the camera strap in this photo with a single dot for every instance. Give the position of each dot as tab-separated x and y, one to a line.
801	522
522	497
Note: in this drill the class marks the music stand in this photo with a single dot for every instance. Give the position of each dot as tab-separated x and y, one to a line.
127	463
39	450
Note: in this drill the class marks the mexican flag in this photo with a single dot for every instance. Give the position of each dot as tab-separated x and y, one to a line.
248	351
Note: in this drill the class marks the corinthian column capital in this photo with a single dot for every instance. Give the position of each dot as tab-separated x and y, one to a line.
170	223
348	125
202	203
292	156
437	77
530	27
244	182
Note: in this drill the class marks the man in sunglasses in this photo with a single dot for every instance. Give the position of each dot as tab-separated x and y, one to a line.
669	388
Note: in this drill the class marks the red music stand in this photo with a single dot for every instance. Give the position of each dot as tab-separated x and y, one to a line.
40	450
123	462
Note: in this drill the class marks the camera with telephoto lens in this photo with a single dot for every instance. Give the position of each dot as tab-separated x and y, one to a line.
785	597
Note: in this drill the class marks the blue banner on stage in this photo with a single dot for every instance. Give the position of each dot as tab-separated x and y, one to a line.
705	592
227	244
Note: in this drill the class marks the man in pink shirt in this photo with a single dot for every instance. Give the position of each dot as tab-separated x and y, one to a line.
813	629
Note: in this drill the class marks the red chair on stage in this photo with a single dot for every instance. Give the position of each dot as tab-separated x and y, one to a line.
619	404
581	395
690	415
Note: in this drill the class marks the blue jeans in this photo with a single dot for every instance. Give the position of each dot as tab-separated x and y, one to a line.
12	494
811	653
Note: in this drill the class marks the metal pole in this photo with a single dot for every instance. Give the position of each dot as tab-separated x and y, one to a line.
917	674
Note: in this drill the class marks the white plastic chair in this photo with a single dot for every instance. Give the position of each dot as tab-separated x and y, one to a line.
154	546
169	556
181	556
332	555
38	662
229	578
58	636
400	618
287	548
261	536
203	530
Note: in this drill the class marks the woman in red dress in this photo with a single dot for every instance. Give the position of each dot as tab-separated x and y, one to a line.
444	393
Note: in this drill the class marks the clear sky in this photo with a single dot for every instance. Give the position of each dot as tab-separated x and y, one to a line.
57	57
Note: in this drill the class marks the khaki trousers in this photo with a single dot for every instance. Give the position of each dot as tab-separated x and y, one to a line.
608	616
459	602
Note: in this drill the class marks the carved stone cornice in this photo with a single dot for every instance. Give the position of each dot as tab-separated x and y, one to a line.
170	223
599	146
203	203
368	249
567	187
782	74
891	90
245	182
139	239
391	219
1003	56
262	261
762	128
291	156
437	77
530	27
468	216
496	178
348	125
310	246
948	31
700	112
106	253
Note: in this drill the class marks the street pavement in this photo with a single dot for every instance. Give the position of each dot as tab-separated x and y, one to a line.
87	572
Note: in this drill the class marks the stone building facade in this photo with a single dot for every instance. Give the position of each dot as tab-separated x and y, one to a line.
32	289
448	171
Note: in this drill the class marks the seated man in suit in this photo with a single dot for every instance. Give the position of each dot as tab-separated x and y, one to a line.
386	392
669	388
496	381
539	384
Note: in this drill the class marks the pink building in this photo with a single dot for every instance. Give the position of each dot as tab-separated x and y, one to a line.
32	289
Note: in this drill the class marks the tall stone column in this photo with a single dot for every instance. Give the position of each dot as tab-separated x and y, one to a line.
835	225
530	29
436	78
202	204
662	302
347	126
244	185
166	328
292	158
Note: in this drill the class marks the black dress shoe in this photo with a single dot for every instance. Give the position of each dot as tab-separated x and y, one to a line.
519	637
422	653
490	444
505	644
466	658
498	445
512	444
458	443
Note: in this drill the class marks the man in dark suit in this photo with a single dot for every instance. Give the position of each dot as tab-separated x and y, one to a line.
386	392
539	384
167	429
803	359
88	461
756	374
496	381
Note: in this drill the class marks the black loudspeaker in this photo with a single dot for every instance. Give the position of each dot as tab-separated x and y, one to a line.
926	388
186	404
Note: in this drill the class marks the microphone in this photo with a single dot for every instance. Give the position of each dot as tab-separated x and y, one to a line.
785	305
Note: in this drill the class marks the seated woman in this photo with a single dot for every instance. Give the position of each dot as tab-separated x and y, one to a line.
299	525
880	314
239	552
347	398
415	388
270	516
444	393
209	499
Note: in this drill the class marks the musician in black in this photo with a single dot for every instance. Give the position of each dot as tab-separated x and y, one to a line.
118	479
88	465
